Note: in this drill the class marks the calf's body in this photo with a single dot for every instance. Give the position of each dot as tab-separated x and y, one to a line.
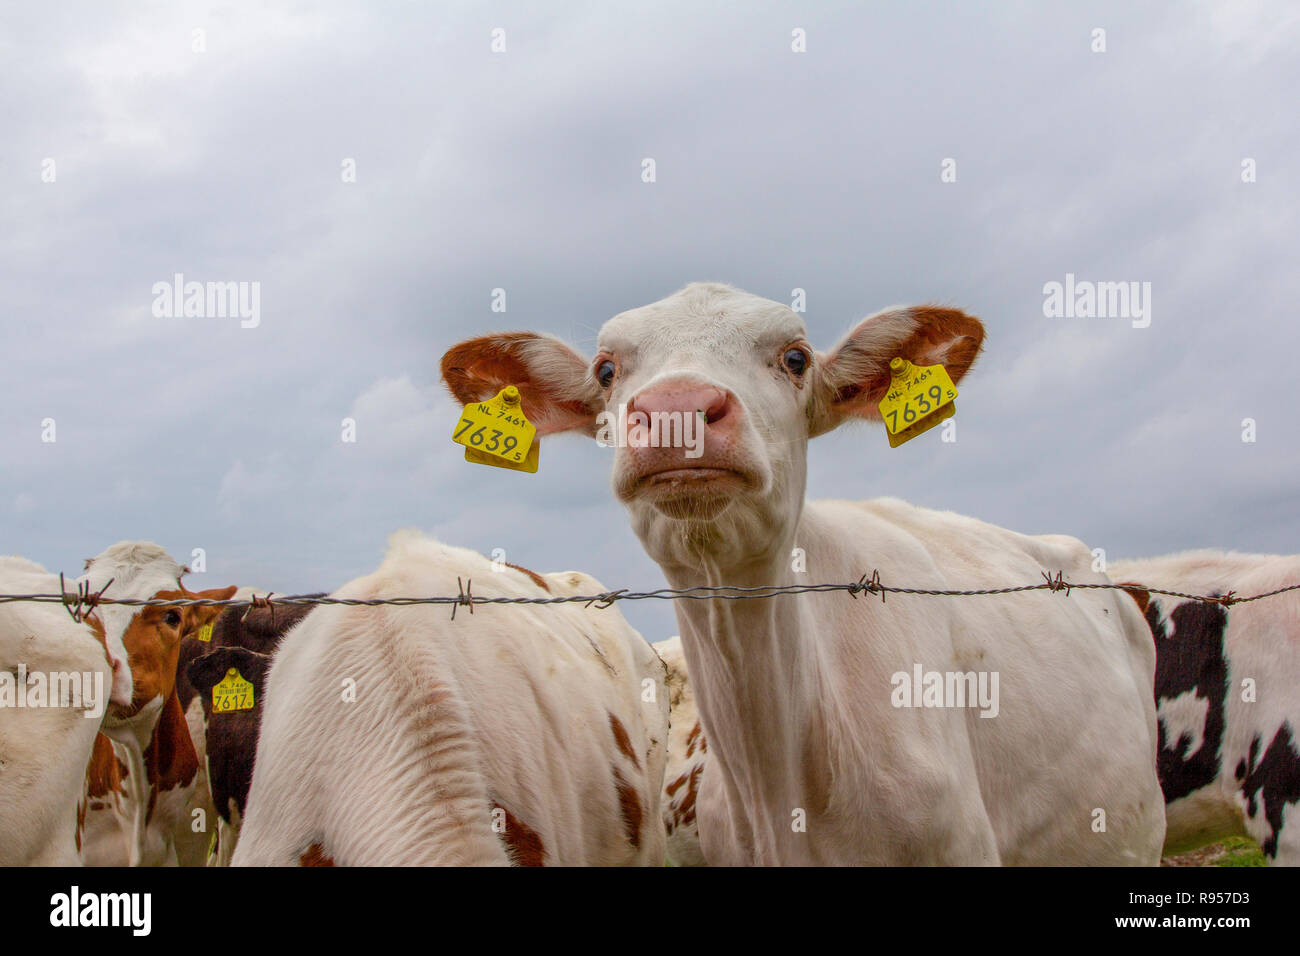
810	761
521	734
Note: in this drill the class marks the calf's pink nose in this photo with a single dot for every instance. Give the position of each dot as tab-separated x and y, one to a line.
685	398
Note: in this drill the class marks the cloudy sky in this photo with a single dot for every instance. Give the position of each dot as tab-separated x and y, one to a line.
133	148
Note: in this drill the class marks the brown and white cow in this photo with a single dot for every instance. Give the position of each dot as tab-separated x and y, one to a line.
142	773
1227	695
243	640
687	748
516	734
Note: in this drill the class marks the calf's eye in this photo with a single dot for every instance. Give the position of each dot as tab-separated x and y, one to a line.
172	618
605	373
796	361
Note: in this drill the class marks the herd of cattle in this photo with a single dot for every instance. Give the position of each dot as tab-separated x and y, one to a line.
1130	724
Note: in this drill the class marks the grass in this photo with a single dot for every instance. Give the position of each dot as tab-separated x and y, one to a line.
1241	851
1236	851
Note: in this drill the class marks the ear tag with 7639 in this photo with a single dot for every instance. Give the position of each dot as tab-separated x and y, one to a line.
919	397
497	432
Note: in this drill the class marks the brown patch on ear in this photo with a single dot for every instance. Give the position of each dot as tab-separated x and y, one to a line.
537	578
198	616
856	373
1141	595
949	336
314	855
554	382
944	337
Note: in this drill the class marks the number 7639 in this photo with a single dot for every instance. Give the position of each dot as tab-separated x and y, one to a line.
917	406
499	443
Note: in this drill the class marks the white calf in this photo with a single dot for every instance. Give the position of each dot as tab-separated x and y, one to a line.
821	750
395	735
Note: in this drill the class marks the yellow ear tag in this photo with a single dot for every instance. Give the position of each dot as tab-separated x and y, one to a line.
232	693
919	397
497	432
205	633
529	463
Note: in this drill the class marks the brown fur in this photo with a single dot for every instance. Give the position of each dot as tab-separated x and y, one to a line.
536	578
623	741
856	375
314	855
475	370
523	843
629	804
1141	595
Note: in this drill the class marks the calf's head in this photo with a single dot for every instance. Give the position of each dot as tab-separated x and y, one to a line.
231	736
143	643
153	641
731	382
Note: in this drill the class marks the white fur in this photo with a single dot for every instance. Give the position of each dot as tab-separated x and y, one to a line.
512	701
1262	642
43	751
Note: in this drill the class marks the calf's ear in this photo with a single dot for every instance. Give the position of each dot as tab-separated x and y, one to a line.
555	383
198	616
205	671
853	377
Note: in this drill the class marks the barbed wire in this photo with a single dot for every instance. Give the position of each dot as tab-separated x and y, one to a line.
82	601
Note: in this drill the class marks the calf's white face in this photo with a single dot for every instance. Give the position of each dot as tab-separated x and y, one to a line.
731	382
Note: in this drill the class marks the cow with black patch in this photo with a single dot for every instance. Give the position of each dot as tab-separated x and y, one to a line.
1227	698
242	643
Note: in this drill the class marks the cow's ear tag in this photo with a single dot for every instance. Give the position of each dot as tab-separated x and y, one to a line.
498	433
919	397
232	693
205	633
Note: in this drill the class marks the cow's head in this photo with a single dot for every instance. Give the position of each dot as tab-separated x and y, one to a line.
143	643
743	367
153	641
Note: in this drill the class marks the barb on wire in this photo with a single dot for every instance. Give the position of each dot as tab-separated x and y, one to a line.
466	596
871	585
260	601
85	600
82	601
1057	583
